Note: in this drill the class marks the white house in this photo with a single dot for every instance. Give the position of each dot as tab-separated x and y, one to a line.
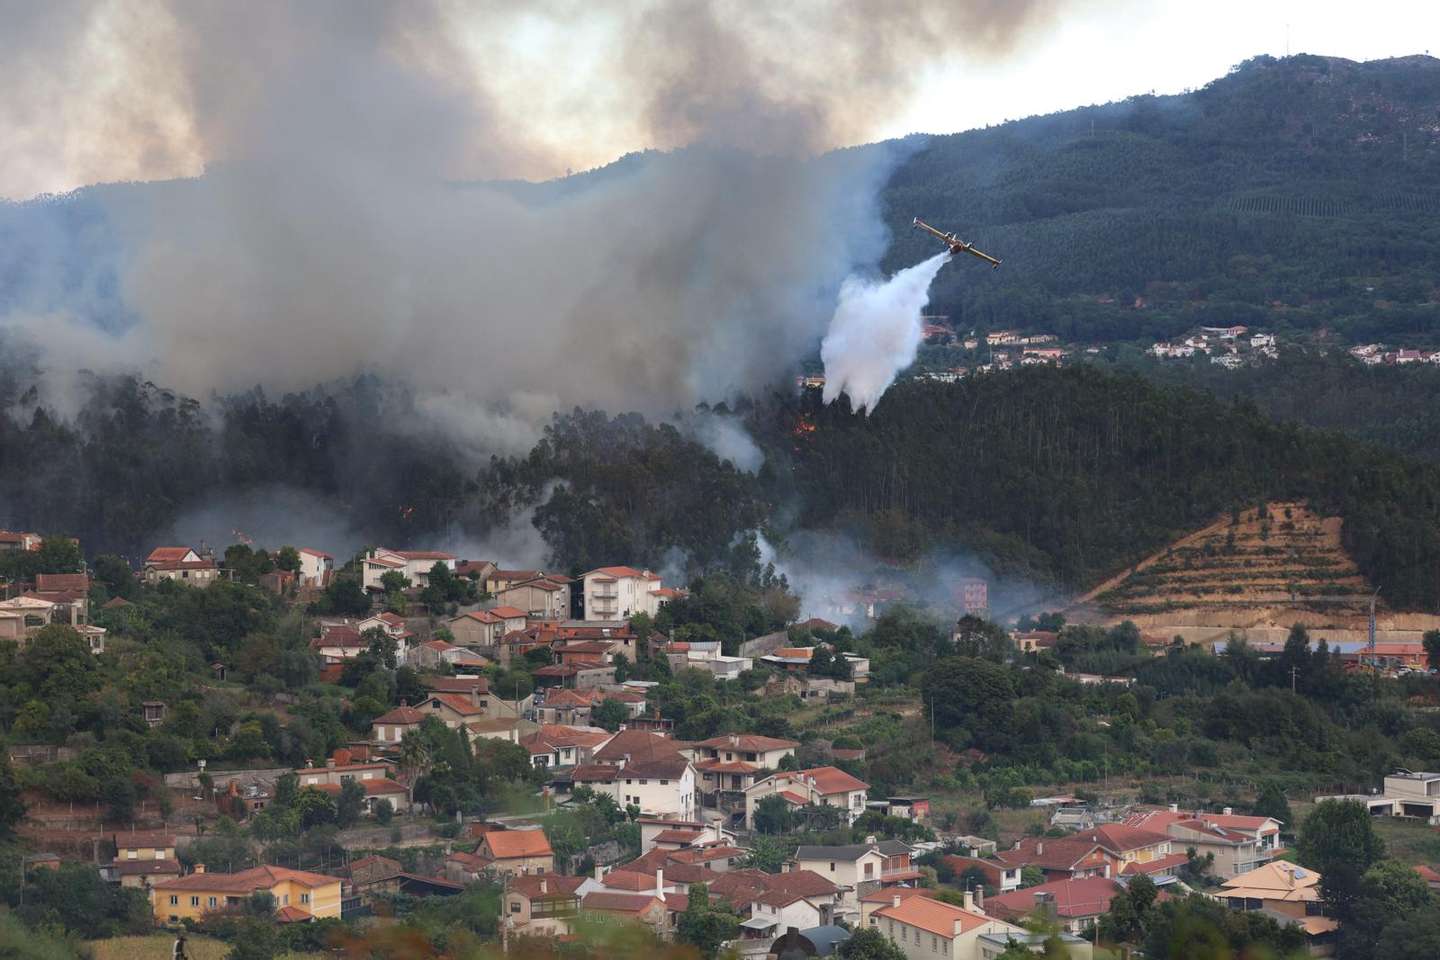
181	564
415	565
926	929
316	567
645	769
824	786
619	593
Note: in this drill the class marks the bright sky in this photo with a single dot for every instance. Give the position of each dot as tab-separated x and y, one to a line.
560	79
1164	47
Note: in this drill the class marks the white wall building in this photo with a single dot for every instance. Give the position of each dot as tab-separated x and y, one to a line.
619	593
415	565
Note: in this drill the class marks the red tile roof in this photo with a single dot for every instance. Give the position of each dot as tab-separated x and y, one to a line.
1083	897
423	554
618	902
401	715
458	702
509	613
556	887
509	844
167	555
1163	864
246	881
1119	838
933	916
832	780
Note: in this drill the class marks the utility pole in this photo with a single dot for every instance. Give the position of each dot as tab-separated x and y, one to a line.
1293	671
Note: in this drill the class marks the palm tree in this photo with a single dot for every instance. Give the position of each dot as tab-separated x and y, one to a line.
416	760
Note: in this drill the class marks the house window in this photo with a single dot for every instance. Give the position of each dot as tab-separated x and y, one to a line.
664	783
869	870
304	898
644	783
832	866
159	854
194	901
904	934
211	902
131	854
934	944
174	900
515	906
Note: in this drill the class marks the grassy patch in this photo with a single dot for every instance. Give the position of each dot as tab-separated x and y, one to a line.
158	946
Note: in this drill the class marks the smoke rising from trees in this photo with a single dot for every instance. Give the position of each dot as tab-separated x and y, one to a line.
340	229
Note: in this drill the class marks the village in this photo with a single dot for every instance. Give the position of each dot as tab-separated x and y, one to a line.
543	672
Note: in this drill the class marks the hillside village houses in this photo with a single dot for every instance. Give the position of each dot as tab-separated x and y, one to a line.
414	565
619	593
825	786
316	567
182	564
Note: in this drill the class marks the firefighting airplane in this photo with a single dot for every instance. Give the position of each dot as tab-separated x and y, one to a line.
955	244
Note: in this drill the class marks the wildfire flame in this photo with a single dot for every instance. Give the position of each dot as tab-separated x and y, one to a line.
242	537
803	427
406	512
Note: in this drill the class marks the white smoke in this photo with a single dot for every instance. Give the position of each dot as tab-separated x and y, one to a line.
875	332
727	439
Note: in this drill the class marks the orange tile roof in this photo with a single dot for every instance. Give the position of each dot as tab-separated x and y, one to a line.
509	613
167	554
618	902
508	844
457	702
557	887
246	881
831	780
932	916
1119	838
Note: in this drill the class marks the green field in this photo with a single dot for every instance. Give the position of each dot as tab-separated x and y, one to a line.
157	946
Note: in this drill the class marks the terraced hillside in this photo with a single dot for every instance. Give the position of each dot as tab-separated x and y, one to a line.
1281	555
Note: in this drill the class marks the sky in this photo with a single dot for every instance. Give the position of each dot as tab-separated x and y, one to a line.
105	92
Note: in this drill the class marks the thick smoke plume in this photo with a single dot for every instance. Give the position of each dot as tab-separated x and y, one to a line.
333	232
875	332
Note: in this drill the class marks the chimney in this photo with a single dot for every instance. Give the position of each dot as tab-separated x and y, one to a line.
1040	848
1174	808
895	900
979	899
660	885
199	868
959	927
599	873
1228	811
970	901
544	885
330	763
870	841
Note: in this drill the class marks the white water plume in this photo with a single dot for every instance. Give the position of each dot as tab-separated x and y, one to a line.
875	332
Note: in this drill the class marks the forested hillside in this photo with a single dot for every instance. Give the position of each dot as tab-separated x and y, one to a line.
1070	474
1299	194
1061	476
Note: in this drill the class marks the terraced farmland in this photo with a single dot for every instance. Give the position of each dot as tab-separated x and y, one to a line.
1279	556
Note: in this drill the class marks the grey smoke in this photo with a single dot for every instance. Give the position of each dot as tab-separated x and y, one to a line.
727	438
329	236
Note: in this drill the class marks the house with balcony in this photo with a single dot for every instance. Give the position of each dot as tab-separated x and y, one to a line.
1134	850
561	746
619	593
541	904
483	629
142	858
825	786
414	565
544	598
857	869
1239	843
998	875
729	764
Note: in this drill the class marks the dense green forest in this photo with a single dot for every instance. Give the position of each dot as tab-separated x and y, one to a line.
1396	407
1061	476
1297	194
